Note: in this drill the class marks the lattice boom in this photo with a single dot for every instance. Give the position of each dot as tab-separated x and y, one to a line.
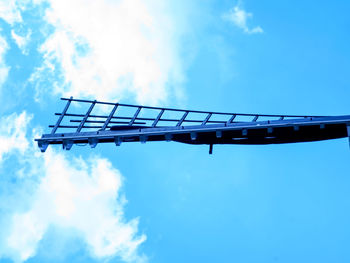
129	123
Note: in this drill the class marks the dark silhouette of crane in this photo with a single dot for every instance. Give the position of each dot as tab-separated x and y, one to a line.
135	123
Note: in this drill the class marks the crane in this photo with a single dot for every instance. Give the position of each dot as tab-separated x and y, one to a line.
135	123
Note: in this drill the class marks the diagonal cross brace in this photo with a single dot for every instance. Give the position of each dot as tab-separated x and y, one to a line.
81	125
54	129
158	118
348	130
135	116
109	117
182	119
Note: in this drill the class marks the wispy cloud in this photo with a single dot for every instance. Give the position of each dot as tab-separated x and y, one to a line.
239	17
12	135
21	41
100	49
77	196
4	69
112	49
10	10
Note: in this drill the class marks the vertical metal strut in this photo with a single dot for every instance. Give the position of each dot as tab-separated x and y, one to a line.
170	124
158	118
231	119
182	119
81	125
207	119
54	129
135	116
348	130
109	117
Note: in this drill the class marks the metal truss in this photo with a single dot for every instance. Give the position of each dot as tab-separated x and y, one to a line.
134	123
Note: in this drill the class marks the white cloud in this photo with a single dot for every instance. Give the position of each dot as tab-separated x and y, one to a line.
4	69
21	41
13	134
112	50
80	196
10	11
239	18
100	49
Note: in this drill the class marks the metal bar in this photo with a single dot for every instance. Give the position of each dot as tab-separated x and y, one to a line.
193	136
109	117
147	119
255	118
348	131
168	137
62	115
93	142
143	139
102	116
282	118
330	121
150	119
86	117
43	145
194	111
182	119
74	126
115	122
135	116
59	139
207	119
217	122
118	141
90	101
231	119
158	117
139	118
67	144
135	122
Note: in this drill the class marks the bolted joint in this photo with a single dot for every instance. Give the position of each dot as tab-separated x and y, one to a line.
168	137
117	141
193	136
143	139
93	142
67	144
348	130
211	148
43	145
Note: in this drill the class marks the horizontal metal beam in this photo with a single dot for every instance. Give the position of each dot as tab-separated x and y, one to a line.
194	111
138	118
199	129
55	127
108	120
189	127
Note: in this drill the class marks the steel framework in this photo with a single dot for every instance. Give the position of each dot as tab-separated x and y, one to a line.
131	123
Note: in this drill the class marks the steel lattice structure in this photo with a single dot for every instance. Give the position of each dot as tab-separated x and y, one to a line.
135	123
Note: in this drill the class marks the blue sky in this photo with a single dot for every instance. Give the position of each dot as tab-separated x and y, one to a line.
165	201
